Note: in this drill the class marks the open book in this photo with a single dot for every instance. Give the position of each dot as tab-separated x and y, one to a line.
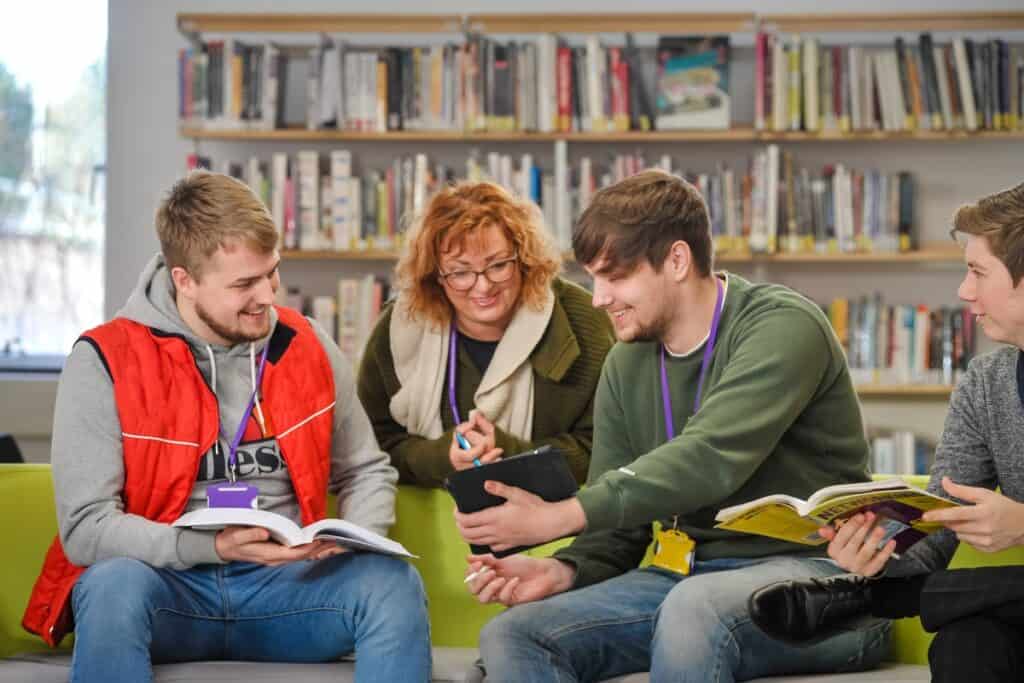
287	532
897	504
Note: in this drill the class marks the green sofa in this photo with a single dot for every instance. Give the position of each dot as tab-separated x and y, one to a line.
424	526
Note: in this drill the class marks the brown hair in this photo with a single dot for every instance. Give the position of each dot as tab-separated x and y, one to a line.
999	218
205	210
639	218
451	216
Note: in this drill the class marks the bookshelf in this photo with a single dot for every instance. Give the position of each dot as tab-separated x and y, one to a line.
906	392
932	255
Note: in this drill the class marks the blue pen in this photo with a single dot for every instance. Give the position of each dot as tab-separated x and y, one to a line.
464	445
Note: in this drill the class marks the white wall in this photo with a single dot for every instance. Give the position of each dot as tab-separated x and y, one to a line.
145	154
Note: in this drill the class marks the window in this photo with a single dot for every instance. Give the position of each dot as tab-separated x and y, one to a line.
53	83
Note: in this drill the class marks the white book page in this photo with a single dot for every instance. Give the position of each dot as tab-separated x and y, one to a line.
353	536
838	490
737	510
281	529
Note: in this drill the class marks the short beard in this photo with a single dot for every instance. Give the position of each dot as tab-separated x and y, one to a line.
232	336
647	333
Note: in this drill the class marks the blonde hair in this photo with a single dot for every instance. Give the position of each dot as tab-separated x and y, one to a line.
451	216
204	211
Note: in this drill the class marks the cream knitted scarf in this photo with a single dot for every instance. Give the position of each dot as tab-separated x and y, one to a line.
505	395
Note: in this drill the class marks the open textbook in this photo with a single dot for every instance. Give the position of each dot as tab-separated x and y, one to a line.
287	532
897	504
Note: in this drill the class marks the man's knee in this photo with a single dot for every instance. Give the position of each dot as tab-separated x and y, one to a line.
520	624
401	578
391	588
990	643
121	589
689	617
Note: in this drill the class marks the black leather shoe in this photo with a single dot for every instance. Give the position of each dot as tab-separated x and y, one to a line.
809	611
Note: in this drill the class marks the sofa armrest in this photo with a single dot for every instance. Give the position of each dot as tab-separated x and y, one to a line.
29	521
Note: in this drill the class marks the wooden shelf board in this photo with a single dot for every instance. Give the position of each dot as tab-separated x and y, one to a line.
319	23
304	134
350	255
905	391
667	22
738	134
887	136
895	22
928	255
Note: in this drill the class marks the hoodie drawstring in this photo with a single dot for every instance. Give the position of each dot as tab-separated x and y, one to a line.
256	389
213	385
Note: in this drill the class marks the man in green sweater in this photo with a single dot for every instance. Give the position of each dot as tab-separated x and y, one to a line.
724	391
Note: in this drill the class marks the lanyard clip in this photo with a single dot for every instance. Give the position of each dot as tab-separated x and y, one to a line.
229	465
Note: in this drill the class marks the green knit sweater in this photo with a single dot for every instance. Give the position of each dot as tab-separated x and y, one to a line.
566	368
778	414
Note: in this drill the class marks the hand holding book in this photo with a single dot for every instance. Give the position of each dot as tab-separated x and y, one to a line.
993	523
271	526
253	544
858	545
900	504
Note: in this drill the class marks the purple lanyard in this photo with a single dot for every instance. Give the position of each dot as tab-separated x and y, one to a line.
453	339
233	446
709	346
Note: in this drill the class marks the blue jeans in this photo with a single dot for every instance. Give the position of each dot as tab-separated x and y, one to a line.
680	628
129	615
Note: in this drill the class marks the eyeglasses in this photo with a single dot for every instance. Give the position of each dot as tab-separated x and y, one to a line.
497	272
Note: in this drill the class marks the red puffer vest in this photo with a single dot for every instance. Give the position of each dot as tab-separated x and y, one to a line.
169	419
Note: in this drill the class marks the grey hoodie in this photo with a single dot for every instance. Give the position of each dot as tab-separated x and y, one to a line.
88	465
982	444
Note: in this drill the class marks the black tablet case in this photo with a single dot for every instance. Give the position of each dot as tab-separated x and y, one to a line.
543	472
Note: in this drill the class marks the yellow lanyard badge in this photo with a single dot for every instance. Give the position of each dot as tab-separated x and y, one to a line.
673	550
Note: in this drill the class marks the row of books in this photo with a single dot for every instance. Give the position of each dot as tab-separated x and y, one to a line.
776	206
480	84
320	201
963	85
902	344
901	452
349	316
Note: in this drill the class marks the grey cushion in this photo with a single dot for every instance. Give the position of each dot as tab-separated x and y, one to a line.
450	665
887	673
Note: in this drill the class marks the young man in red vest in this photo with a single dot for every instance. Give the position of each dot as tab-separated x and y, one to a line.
200	370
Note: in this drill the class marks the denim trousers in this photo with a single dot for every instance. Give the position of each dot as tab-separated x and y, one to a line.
680	628
130	615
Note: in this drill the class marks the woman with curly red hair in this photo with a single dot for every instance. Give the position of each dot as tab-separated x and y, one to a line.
484	340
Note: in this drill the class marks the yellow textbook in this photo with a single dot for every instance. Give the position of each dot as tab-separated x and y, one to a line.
898	505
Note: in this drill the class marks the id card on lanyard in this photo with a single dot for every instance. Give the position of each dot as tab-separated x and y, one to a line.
233	493
673	549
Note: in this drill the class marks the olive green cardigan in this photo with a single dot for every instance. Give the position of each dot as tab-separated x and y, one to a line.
566	364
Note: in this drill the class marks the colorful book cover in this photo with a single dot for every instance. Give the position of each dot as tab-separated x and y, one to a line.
693	82
898	505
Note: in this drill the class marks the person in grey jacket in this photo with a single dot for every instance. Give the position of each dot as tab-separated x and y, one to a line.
978	614
155	593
